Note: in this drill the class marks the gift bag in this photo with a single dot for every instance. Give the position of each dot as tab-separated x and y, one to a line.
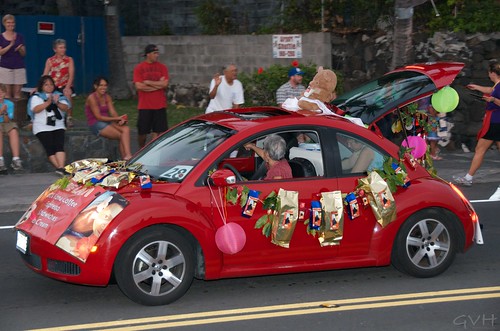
286	218
332	226
380	197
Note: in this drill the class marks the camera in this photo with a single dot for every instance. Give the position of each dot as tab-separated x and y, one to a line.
51	120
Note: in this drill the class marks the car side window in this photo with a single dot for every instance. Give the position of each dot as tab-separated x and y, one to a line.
357	155
302	153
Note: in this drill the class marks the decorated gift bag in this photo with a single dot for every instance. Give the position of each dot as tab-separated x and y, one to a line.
332	226
380	198
286	218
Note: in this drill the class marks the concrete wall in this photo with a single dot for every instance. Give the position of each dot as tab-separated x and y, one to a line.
195	59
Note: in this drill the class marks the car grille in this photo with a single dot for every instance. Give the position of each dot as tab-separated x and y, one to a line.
33	260
63	267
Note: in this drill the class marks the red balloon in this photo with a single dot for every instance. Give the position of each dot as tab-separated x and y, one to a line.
230	238
417	144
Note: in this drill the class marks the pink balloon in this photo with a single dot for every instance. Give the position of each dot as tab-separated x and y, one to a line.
418	145
230	238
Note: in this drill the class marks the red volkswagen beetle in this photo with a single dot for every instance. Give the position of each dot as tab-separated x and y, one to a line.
193	203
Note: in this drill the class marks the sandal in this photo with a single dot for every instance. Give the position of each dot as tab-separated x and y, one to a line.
436	157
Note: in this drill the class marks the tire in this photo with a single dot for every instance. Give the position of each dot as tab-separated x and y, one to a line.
425	245
155	266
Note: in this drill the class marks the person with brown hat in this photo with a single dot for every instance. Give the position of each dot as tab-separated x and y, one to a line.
151	81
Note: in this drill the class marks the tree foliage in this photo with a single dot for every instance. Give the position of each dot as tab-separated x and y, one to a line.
469	16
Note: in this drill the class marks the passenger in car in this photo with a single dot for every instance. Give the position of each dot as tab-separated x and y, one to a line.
273	154
362	159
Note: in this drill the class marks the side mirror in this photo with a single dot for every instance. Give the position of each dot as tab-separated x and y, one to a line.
222	177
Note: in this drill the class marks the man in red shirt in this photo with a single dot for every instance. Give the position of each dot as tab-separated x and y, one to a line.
151	81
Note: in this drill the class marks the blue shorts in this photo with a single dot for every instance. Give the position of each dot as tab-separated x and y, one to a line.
98	126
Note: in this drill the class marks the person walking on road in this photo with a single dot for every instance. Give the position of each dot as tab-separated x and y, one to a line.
151	81
490	131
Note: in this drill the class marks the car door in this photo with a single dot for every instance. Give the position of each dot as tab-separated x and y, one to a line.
304	248
358	231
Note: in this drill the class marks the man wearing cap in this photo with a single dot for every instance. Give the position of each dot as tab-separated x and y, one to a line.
291	89
151	81
225	90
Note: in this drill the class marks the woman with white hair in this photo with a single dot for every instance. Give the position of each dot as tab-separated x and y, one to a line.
274	156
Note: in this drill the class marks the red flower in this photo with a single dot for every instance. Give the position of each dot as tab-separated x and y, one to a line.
295	63
261	70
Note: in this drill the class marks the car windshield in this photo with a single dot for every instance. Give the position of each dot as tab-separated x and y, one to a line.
372	100
172	156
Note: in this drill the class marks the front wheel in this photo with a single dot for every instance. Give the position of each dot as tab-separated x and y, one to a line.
425	245
155	266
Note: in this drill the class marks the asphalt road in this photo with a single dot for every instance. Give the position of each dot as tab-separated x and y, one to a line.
465	297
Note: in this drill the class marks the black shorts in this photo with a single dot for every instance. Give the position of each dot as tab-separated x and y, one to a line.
52	141
493	132
152	120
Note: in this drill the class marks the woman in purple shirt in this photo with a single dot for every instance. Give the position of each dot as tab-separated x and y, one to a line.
490	132
12	52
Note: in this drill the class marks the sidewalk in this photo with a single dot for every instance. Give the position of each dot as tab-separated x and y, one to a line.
19	191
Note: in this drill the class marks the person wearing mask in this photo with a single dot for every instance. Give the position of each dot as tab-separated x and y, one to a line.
48	107
291	89
151	81
226	91
490	131
12	53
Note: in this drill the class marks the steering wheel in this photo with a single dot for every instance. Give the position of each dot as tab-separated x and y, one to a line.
239	178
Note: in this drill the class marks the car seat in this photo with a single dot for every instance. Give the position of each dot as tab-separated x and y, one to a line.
302	167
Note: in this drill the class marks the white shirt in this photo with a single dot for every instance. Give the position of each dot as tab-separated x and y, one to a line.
226	96
40	120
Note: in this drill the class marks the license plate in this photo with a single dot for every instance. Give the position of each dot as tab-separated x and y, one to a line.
22	242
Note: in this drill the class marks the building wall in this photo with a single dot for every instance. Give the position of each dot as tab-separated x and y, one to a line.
195	59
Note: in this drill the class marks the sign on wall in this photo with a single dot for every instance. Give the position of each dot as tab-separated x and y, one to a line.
287	46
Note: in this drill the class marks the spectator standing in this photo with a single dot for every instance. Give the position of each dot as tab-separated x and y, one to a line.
424	105
62	70
12	53
226	91
291	89
151	81
8	127
48	107
104	121
490	131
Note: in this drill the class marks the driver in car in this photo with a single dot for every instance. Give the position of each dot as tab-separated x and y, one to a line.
273	154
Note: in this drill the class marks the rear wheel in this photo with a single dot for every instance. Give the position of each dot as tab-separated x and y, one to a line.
155	266
425	245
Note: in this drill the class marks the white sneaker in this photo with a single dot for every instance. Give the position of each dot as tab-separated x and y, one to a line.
16	165
462	181
2	165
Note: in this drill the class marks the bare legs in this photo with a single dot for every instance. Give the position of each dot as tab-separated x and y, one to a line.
13	142
58	160
121	133
481	148
13	91
143	137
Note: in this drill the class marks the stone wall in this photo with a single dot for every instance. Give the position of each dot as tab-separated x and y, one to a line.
80	143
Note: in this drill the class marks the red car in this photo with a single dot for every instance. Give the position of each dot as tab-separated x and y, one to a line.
207	213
